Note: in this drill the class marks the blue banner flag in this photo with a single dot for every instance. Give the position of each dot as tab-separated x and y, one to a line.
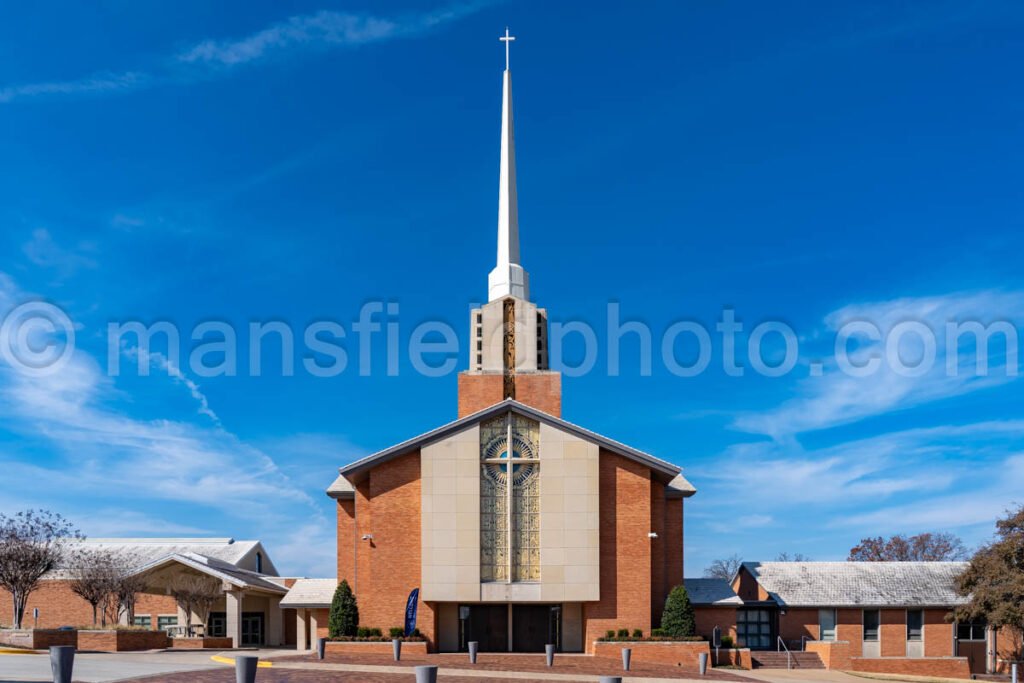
410	611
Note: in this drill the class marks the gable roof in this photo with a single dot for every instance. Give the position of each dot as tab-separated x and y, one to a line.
229	573
148	549
310	593
666	470
711	592
859	584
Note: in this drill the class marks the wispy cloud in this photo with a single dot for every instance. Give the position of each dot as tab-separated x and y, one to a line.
42	250
208	58
90	449
101	83
838	398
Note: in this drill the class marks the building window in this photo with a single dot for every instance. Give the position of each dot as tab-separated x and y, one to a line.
163	623
872	619
509	505
259	563
826	624
915	623
974	630
143	621
754	628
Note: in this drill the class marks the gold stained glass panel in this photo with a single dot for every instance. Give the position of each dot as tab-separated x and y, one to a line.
510	539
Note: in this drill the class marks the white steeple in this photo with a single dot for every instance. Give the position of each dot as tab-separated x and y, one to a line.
508	277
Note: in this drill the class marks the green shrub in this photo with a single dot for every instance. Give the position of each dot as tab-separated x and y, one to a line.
344	617
396	631
623	633
657	633
609	633
727	641
637	633
678	620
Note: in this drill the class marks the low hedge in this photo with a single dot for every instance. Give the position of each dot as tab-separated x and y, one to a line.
651	639
374	639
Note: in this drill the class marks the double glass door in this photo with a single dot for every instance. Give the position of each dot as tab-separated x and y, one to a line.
252	629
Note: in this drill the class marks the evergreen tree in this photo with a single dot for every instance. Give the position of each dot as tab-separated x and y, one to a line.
678	620
344	619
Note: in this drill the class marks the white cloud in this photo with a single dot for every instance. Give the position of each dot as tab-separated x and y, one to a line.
837	398
317	31
43	251
99	457
95	84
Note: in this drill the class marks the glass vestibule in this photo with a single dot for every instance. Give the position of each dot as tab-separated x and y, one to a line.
755	628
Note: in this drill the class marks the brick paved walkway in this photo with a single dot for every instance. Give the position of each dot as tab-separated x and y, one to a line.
565	665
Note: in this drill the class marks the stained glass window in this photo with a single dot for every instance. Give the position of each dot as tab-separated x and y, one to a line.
509	505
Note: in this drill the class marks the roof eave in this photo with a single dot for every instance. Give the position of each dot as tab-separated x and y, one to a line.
356	470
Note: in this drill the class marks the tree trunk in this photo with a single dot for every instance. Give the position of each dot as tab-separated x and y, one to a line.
94	614
19	609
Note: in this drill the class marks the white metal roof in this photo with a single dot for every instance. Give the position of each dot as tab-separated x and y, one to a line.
859	584
310	593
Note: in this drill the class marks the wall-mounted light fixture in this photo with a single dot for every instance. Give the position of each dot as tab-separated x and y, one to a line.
652	534
367	537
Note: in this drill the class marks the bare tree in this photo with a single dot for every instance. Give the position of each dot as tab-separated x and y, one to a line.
926	547
795	557
195	593
724	569
94	575
32	543
127	588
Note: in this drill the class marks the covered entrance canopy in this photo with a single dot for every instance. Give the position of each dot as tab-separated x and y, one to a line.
250	610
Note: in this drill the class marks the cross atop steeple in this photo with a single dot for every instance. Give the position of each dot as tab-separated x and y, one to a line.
508	277
506	39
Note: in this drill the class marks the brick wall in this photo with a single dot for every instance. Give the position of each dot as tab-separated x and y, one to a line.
850	629
748	588
58	606
944	667
683	655
893	633
478	391
797	624
673	542
347	540
835	654
708	618
388	506
938	634
625	509
659	576
540	390
153	605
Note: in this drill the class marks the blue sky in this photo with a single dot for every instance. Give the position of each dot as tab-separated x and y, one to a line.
289	161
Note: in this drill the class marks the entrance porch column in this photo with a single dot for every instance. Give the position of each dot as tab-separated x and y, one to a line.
275	622
233	604
312	628
301	620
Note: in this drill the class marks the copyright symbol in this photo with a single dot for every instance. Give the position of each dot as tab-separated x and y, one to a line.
37	338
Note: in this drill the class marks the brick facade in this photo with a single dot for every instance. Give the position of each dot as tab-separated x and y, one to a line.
387	568
540	390
347	540
625	509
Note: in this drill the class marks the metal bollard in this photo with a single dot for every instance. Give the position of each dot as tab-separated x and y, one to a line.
1013	673
426	674
627	652
245	669
62	662
474	648
702	658
396	649
611	679
549	654
321	648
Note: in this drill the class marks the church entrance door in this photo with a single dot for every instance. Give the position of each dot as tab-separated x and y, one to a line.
486	624
534	626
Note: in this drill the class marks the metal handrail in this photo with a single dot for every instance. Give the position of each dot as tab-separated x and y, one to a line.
803	642
789	655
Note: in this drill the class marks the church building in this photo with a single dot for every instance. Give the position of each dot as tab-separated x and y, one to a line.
517	527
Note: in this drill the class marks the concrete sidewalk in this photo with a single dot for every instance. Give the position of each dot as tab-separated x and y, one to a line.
103	667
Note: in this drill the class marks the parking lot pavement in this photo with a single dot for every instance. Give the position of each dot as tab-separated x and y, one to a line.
101	667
